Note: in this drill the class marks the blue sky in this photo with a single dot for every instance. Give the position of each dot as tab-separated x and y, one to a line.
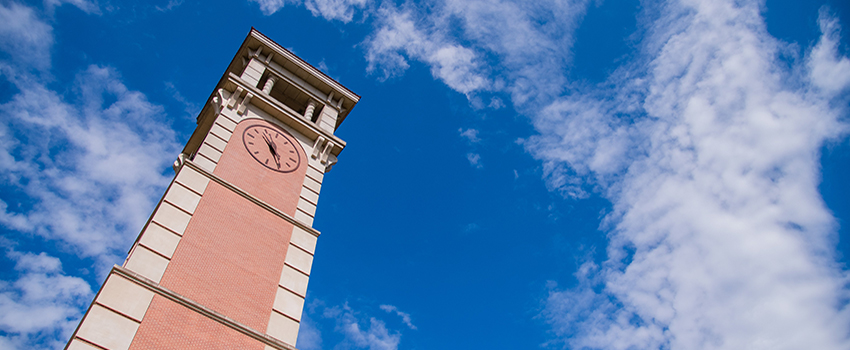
519	175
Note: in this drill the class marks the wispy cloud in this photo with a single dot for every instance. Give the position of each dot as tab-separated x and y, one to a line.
400	35
405	317
24	37
81	169
471	135
69	159
190	108
707	146
172	4
340	10
720	238
361	331
474	160
42	306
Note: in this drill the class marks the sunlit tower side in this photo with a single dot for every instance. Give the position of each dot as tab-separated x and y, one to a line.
224	260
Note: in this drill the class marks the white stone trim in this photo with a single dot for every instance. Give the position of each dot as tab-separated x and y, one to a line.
288	303
282	327
314	173
294	280
220	132
183	198
307	207
299	259
160	240
312	184
193	180
125	297
171	217
79	344
310	196
107	328
146	262
205	162
304	240
303	217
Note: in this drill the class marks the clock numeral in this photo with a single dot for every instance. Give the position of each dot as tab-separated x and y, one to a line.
256	152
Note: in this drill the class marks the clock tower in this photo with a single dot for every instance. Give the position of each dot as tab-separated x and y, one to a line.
224	260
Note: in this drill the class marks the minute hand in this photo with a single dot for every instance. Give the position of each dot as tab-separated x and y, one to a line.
273	150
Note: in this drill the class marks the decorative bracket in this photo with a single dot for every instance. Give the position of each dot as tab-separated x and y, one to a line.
218	101
178	164
317	146
244	104
322	155
234	96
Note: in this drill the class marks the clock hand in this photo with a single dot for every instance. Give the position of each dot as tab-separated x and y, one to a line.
273	150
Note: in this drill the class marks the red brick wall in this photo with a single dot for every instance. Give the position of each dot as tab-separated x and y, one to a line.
280	190
177	327
230	257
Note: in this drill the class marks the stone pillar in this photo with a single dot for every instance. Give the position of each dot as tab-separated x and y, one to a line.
269	84
311	107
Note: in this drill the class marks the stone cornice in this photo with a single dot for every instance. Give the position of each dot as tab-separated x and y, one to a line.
293	119
280	50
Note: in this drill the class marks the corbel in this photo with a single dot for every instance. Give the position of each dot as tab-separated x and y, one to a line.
330	165
218	101
178	164
317	146
244	104
234	96
328	148
255	53
269	58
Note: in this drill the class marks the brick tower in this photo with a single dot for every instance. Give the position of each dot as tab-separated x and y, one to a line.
224	260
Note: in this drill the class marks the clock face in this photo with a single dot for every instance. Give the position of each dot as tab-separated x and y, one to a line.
272	148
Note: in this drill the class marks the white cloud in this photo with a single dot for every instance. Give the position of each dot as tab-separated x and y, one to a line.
706	146
172	4
190	108
829	71
517	47
41	308
340	10
87	6
309	335
269	7
405	317
70	160
361	331
720	238
81	170
474	160
458	67
471	135
25	37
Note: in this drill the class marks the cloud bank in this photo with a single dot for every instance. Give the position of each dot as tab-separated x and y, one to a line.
707	145
62	157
